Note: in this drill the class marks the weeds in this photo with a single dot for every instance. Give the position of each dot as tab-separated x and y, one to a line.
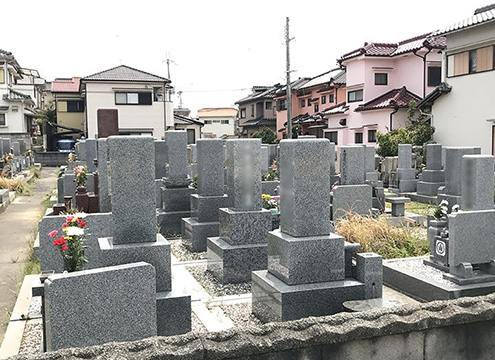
377	235
17	185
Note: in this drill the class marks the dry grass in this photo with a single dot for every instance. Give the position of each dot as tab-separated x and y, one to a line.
377	235
17	185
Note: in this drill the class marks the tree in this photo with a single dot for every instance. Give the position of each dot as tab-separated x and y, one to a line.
266	134
417	132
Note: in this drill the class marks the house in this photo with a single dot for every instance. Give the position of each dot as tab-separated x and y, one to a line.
381	81
219	122
69	106
182	121
128	101
257	110
17	109
461	106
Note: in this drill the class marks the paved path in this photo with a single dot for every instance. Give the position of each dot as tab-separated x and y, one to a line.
17	226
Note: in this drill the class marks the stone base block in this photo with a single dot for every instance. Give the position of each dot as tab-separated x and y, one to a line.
354	198
371	176
176	199
274	300
205	208
245	227
194	233
158	193
428	188
406	174
173	313
305	260
433	176
406	186
155	253
452	199
269	187
424	199
170	223
234	263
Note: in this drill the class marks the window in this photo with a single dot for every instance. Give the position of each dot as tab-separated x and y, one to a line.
224	122
75	106
484	59
358	138
332	136
281	104
381	79
207	122
309	102
2	76
303	103
243	113
268	105
141	98
472	61
317	108
252	110
3	121
372	136
356	95
331	98
324	99
434	75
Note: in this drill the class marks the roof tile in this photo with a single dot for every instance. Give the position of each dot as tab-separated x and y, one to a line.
391	99
125	73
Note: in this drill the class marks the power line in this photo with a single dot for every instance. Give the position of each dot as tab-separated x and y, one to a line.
218	90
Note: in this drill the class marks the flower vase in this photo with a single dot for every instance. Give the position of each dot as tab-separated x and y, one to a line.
82	199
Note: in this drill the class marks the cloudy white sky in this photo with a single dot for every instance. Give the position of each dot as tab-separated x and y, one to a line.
219	49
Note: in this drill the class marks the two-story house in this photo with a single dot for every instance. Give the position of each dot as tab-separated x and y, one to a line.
219	122
381	81
257	110
461	106
127	101
17	109
69	106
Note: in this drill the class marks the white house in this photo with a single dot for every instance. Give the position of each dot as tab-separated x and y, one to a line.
141	100
218	121
17	109
462	105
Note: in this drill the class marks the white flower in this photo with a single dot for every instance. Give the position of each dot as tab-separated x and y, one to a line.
444	202
74	231
79	215
455	208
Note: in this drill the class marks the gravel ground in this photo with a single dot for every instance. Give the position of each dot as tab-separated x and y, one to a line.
416	266
197	326
183	254
212	286
241	315
35	307
31	339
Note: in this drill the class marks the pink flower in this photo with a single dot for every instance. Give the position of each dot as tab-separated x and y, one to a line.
69	218
64	248
53	233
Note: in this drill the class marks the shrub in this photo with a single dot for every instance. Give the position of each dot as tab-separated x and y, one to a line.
17	185
266	134
377	235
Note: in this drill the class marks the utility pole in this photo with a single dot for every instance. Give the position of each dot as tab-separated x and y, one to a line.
289	91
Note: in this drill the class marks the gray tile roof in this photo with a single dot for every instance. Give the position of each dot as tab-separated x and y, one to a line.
260	92
5	54
125	73
481	15
185	120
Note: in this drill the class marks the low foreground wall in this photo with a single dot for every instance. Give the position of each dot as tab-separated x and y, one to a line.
51	158
452	329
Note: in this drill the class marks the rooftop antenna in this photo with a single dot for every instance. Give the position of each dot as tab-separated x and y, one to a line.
168	61
180	99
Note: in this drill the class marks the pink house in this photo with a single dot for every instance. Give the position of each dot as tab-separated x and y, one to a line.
381	80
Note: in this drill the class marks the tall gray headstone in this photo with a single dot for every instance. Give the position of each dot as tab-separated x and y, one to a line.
405	156
352	165
80	148
91	154
132	168
243	178
265	158
477	182
22	146
6	146
453	167
103	181
176	155
434	156
17	149
160	159
210	167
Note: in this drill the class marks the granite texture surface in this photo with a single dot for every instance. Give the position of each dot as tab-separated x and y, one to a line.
132	169
244	227
176	199
16	148
176	154
434	157
103	180
270	187
169	223
205	208
265	159
369	271
210	167
194	233
91	154
405	156
304	189
6	145
436	176
160	158
243	176
453	167
173	313
477	182
354	198
156	253
101	305
304	260
80	148
234	263
352	165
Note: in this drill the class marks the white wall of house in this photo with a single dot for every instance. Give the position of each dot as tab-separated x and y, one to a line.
216	127
14	116
140	117
466	115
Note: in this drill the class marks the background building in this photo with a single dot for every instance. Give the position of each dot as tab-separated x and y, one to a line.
219	122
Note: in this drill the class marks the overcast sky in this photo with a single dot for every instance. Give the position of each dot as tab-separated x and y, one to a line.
218	49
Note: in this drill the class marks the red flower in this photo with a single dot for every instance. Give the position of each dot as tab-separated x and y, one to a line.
59	242
78	220
82	224
53	233
64	225
64	248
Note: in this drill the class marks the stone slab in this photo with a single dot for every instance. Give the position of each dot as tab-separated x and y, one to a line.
305	260
103	179
428	188
96	306
405	156
453	167
156	253
369	271
176	154
436	176
169	223
176	199
173	313
91	154
355	198
206	208
304	187
132	168
234	263
194	234
270	187
160	159
352	165
244	227
273	300
407	186
477	182
210	167
433	157
406	174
